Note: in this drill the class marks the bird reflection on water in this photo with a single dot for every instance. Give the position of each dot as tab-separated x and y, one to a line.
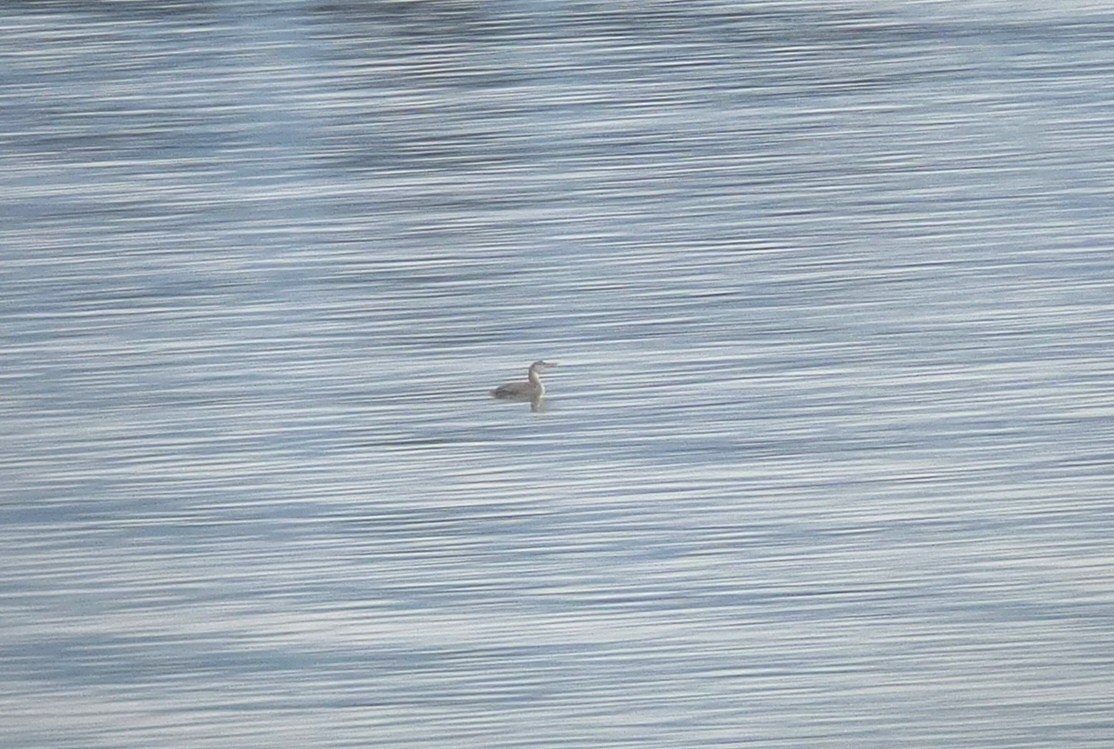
532	390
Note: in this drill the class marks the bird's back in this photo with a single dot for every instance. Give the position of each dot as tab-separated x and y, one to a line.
516	390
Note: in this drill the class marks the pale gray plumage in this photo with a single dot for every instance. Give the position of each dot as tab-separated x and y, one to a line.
532	389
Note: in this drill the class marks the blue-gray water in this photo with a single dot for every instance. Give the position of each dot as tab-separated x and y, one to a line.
827	462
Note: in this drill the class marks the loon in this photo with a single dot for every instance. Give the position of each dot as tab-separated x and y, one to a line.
532	389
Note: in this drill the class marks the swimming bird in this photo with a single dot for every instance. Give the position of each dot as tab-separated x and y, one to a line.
531	390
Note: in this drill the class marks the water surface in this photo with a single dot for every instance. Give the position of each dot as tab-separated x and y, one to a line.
827	461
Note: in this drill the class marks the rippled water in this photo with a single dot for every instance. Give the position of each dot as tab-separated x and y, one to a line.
827	461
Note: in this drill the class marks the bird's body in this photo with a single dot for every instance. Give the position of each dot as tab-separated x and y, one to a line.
531	390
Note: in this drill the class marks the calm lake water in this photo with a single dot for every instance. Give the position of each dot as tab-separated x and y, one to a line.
828	460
